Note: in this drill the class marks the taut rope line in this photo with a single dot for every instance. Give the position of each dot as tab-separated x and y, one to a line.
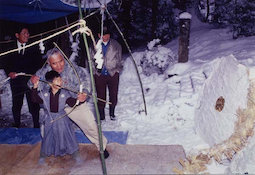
44	39
53	30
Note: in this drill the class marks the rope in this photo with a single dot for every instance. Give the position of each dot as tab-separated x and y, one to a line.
4	81
7	79
80	23
53	30
102	21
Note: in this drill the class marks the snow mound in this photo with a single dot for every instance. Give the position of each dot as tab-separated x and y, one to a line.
228	79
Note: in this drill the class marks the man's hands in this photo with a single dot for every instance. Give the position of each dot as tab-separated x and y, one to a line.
12	75
35	80
82	97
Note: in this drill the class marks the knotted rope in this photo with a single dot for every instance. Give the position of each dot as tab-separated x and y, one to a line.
83	29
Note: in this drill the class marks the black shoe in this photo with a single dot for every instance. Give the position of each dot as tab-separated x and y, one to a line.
36	126
112	117
106	154
15	125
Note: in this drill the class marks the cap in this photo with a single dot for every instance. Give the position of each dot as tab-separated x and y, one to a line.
106	30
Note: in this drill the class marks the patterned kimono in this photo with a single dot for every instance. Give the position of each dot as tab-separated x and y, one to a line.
59	137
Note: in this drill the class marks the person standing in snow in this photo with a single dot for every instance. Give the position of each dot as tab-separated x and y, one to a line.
59	137
81	115
108	75
28	61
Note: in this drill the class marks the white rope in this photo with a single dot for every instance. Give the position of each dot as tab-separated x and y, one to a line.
50	31
81	23
7	79
98	47
84	29
102	9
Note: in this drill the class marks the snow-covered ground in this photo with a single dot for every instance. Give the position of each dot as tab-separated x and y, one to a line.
172	100
172	97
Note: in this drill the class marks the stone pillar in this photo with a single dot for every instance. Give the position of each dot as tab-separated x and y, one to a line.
183	52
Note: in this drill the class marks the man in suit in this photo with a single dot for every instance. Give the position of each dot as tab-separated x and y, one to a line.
28	61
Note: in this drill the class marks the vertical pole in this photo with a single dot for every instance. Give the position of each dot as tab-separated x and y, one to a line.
183	52
132	58
94	98
0	98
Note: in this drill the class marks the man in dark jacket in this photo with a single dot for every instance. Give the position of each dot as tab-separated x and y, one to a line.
28	61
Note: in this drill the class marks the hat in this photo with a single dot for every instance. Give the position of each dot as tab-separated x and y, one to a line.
106	30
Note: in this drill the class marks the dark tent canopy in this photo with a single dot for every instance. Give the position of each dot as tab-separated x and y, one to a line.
37	11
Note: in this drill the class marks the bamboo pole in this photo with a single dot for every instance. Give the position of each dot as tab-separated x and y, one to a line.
94	97
132	58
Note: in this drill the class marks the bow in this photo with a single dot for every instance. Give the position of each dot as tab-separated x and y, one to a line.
79	80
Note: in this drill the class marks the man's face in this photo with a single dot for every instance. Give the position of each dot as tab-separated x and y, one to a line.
23	36
105	37
57	62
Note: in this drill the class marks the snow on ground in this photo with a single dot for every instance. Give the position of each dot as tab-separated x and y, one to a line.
171	102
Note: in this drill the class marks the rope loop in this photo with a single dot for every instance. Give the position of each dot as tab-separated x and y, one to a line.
102	8
83	28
